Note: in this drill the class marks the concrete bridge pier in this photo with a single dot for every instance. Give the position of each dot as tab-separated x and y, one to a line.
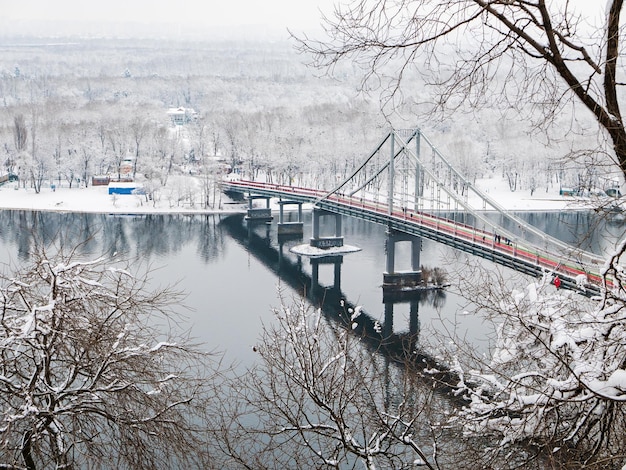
258	214
326	242
289	228
398	280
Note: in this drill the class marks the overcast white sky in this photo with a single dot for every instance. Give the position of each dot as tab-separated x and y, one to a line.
277	14
274	15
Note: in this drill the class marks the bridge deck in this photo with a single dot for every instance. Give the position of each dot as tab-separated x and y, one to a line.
519	255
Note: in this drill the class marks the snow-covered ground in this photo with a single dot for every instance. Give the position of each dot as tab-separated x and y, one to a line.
522	200
97	199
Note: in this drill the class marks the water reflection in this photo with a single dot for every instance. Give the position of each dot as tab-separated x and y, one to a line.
589	230
401	347
585	229
149	236
231	270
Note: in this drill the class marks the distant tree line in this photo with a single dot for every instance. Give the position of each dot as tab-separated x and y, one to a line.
77	110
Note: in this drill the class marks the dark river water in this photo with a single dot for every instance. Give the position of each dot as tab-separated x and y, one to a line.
234	274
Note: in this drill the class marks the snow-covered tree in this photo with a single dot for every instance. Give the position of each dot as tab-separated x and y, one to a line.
139	128
117	135
320	398
555	381
20	133
87	377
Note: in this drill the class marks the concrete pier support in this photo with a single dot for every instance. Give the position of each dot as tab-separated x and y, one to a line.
258	214
326	242
393	279
290	227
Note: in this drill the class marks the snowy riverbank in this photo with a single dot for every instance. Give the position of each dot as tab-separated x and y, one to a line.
96	199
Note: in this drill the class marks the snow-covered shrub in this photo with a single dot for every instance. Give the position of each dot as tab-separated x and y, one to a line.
556	378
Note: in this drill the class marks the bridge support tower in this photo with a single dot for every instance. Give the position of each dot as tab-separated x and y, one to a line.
286	228
326	242
397	280
258	214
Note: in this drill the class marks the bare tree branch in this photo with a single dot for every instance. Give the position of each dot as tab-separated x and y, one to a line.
529	55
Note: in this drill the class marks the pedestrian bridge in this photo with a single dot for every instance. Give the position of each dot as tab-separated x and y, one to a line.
408	186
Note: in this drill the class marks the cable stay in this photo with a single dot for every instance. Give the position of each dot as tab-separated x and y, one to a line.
449	190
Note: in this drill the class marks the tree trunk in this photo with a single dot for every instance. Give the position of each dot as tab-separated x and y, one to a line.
26	451
618	136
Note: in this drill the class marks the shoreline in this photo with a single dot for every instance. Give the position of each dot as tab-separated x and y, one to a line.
97	200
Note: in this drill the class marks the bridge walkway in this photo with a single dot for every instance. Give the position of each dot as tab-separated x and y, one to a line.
580	271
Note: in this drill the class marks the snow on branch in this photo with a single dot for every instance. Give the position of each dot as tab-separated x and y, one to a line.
558	358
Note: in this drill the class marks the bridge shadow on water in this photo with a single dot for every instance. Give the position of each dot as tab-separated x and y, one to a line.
400	348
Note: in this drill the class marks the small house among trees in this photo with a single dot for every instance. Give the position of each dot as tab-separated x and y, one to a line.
181	116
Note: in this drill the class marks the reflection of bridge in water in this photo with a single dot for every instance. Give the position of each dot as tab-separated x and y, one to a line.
402	348
414	190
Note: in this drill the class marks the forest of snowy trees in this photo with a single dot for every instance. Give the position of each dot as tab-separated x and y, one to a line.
72	109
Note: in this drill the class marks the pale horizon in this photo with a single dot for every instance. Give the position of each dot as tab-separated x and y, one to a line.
119	17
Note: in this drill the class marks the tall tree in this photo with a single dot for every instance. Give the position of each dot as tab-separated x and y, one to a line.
538	54
555	382
20	133
139	127
87	379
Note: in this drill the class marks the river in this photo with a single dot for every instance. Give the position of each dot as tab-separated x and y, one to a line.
233	274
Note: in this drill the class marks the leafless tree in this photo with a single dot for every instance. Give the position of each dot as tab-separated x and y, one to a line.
232	128
537	55
39	161
20	133
118	139
139	128
550	392
87	376
320	398
554	380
